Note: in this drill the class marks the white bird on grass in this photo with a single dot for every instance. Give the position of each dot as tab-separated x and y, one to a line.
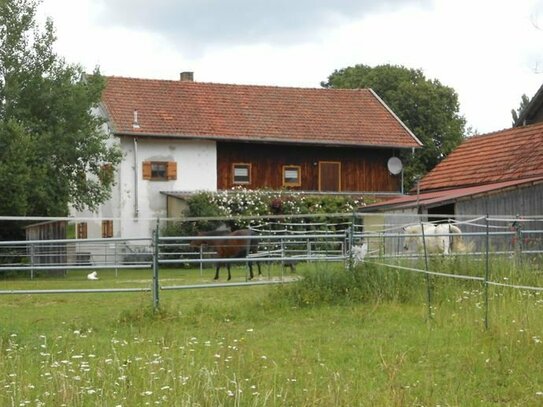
92	276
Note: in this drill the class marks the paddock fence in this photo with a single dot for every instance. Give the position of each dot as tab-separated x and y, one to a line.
345	238
282	243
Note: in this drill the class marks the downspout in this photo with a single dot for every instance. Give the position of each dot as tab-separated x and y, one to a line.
136	207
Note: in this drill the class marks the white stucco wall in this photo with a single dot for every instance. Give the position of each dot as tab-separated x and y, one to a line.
136	203
141	204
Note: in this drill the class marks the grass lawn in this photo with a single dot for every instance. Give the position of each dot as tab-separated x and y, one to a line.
253	346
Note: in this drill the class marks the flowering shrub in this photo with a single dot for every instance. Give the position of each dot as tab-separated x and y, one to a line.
240	207
254	203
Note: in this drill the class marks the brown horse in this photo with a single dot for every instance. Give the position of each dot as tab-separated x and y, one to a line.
229	248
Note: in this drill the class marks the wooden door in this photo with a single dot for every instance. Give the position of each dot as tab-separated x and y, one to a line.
329	176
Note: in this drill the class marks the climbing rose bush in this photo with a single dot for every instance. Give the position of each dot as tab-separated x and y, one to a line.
247	203
240	208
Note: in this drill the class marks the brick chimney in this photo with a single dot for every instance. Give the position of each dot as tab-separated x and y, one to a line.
186	76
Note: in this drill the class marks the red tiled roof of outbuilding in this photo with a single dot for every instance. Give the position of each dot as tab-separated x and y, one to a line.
505	155
253	113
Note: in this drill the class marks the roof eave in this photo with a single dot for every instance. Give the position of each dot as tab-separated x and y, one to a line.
259	139
427	200
395	116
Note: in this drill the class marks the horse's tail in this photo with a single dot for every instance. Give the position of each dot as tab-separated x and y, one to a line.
458	245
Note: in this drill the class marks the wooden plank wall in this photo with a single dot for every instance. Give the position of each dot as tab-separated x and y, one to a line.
362	169
47	253
522	202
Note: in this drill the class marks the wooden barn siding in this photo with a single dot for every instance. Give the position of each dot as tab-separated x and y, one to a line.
47	254
521	201
362	170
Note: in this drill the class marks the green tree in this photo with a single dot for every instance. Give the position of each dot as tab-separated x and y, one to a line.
524	102
428	108
53	153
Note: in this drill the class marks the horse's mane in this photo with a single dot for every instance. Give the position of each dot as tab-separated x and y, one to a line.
227	232
218	232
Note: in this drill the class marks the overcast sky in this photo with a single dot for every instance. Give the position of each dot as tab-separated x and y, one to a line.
489	51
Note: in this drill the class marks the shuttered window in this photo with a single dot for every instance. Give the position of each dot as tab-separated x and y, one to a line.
107	228
241	173
82	230
292	176
159	170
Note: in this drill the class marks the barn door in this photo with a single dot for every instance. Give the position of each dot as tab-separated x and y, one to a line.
329	176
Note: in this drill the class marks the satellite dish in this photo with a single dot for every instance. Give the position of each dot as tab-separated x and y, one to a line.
394	165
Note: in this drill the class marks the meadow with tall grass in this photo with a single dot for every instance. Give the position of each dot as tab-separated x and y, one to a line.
336	337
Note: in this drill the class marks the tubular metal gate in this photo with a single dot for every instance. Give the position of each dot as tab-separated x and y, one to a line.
144	253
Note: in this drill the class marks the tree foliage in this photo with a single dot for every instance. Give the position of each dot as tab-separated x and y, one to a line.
515	114
428	108
52	150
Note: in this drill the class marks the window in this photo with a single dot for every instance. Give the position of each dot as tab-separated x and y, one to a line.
107	228
242	173
160	170
82	230
291	176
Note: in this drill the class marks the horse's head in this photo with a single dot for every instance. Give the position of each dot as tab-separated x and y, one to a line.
197	243
411	239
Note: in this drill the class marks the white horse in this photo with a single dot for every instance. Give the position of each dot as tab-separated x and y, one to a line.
443	238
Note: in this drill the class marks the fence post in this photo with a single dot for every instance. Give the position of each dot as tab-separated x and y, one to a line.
156	286
32	259
487	269
349	242
428	287
116	261
201	262
247	252
282	259
518	249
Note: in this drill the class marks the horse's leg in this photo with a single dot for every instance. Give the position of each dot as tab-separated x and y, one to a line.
228	268
217	271
446	245
251	275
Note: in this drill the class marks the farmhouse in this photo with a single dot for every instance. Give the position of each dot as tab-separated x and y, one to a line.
182	136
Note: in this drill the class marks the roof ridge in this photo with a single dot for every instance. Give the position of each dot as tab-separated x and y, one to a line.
519	129
194	83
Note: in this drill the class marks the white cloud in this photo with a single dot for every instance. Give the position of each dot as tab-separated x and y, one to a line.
486	50
197	24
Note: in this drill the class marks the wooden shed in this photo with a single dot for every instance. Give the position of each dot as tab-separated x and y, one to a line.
47	253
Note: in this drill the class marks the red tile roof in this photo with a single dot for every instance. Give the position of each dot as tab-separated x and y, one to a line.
257	113
506	155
